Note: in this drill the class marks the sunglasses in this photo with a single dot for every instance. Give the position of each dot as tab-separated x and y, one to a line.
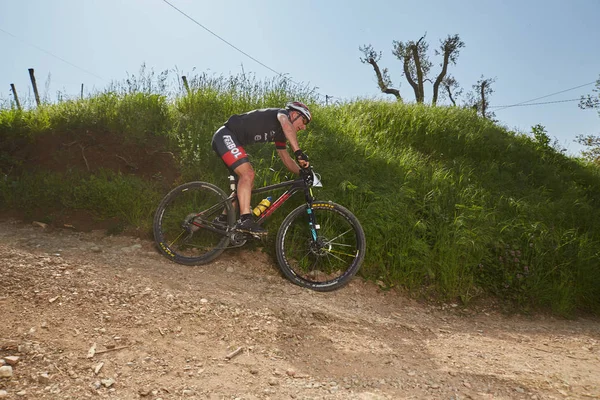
305	120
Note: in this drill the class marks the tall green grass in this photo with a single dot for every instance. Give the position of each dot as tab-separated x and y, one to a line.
451	203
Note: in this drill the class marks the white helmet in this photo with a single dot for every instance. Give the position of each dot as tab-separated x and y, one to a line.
301	108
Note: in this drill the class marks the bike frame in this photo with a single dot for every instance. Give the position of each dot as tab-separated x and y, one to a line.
295	186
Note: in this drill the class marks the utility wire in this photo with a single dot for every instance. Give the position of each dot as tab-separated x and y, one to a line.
533	104
235	47
53	55
228	43
548	95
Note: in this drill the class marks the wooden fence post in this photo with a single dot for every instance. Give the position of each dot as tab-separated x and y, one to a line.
185	83
82	91
35	90
12	86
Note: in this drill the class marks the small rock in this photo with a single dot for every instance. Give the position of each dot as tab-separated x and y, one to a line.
107	382
21	393
11	360
230	269
144	392
3	394
188	392
44	378
98	368
467	384
291	372
6	371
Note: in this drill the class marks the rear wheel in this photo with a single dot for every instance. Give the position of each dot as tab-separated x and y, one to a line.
184	223
330	261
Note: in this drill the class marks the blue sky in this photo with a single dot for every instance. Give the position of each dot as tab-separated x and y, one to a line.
533	48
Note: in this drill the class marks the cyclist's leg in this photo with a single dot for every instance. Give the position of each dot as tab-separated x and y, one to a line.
245	174
227	147
235	158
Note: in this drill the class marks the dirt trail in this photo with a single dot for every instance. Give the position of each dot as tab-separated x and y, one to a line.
164	331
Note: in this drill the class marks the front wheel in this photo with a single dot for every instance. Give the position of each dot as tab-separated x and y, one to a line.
185	226
330	260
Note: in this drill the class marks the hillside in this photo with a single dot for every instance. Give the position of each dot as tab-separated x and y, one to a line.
454	207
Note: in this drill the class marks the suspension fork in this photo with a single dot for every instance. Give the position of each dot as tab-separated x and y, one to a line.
312	223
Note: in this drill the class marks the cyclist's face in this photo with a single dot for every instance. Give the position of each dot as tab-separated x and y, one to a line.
299	122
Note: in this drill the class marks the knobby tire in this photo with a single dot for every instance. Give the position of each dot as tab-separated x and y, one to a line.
177	209
331	261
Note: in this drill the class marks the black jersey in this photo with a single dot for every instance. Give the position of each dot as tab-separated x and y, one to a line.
258	126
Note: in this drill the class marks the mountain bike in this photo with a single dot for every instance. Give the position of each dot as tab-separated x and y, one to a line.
320	245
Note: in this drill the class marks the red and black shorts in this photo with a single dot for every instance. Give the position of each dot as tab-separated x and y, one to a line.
227	146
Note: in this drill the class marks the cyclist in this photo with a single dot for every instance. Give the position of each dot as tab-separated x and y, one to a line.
259	126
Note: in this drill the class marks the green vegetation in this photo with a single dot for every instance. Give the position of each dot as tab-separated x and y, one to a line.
451	203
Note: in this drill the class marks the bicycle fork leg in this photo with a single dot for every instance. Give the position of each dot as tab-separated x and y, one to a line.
312	225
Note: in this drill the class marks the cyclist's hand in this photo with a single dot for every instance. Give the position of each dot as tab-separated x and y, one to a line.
302	159
307	175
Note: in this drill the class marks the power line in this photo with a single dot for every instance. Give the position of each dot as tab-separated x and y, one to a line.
236	48
228	43
533	104
53	55
548	95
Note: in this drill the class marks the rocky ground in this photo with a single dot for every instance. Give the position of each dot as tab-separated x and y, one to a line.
85	315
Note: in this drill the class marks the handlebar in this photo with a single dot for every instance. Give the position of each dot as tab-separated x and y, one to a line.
310	177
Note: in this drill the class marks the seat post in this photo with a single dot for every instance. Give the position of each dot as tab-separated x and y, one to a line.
232	182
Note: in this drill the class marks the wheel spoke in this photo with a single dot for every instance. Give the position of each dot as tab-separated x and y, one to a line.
195	243
332	252
330	260
339	236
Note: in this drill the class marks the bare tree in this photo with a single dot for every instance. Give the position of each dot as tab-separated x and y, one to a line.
450	49
416	64
479	98
383	78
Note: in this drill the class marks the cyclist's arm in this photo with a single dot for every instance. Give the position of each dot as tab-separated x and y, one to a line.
289	131
288	161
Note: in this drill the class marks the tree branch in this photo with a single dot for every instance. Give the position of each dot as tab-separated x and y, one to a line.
380	81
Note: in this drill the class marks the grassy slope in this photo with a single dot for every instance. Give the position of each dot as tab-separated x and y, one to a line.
448	201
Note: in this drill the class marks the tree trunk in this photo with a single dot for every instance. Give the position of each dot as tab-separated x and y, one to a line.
440	78
381	82
483	101
417	60
409	78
